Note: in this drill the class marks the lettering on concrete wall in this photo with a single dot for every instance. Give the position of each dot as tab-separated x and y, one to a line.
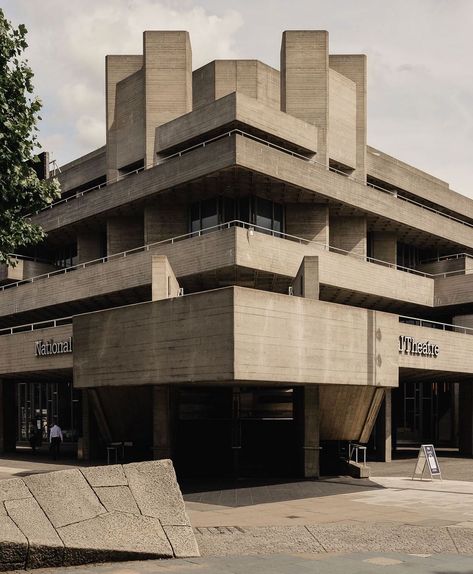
409	346
43	348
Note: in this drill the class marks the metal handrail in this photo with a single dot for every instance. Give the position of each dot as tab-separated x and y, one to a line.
447	257
35	326
219	227
437	325
396	194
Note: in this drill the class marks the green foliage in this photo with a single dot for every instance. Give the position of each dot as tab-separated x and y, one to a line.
21	192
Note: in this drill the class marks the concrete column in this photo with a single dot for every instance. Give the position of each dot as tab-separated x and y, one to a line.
119	121
307	416
305	81
124	233
8	410
465	418
384	246
164	283
162	420
164	220
354	67
308	220
89	246
84	447
306	282
167	82
349	234
384	429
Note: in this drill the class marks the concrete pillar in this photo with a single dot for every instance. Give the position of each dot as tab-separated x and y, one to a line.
384	246
121	119
167	82
164	220
307	416
124	233
349	234
163	281
306	282
8	410
465	418
354	67
305	81
84	446
308	220
89	246
384	429
162	421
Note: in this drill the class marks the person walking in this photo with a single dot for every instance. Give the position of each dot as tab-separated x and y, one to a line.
55	440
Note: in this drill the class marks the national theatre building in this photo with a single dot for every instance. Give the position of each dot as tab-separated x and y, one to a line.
237	280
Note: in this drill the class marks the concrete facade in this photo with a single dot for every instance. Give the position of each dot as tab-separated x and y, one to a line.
238	264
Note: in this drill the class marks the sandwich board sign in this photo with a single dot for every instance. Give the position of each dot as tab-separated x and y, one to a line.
427	458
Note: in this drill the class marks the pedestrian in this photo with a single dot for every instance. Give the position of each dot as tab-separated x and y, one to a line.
55	440
33	436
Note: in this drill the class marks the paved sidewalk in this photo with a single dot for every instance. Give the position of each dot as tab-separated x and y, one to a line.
370	563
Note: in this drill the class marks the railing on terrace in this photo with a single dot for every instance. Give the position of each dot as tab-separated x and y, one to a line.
449	257
271	145
435	325
219	227
35	326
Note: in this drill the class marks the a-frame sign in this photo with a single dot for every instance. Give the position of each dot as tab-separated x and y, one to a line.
427	458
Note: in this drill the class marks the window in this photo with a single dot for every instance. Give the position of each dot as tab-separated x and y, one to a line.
66	256
257	211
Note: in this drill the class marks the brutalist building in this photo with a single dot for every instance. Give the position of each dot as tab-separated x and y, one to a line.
237	280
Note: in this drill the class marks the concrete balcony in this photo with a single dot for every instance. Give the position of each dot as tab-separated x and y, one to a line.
22	269
263	162
236	111
219	257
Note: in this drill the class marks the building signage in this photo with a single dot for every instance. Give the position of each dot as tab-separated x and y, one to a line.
44	348
409	346
427	458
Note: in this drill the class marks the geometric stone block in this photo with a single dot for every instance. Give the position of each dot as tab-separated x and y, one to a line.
182	540
111	475
156	491
117	498
13	545
13	489
114	536
45	546
65	496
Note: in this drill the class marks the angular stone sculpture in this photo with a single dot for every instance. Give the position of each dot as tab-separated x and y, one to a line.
105	513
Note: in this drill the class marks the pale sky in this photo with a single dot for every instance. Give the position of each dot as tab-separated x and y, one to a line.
420	83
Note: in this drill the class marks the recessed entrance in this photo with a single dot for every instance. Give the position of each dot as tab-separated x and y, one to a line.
235	432
425	412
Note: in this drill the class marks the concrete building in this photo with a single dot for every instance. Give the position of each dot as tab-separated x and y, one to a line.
237	280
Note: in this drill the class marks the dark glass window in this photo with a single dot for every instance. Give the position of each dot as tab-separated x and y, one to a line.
257	211
66	256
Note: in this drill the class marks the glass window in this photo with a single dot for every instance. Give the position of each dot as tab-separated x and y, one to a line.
264	213
209	213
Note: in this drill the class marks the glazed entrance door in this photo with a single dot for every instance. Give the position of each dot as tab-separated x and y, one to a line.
424	413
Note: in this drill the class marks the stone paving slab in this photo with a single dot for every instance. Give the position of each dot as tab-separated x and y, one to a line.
73	516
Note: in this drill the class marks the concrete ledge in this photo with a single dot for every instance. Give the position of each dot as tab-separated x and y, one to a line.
108	513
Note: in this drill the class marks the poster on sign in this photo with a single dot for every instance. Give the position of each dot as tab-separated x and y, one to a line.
427	457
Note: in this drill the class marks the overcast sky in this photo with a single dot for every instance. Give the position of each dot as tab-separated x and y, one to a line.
420	83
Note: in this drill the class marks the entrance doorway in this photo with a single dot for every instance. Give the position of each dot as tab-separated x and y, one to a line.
425	412
243	432
41	403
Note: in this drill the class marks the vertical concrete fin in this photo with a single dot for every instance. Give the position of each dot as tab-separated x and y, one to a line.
118	68
100	417
305	81
164	284
375	405
168	82
306	282
354	67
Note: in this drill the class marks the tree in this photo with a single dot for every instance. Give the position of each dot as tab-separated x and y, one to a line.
21	191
